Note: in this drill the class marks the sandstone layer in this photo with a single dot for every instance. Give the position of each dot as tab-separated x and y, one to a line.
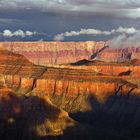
119	54
44	53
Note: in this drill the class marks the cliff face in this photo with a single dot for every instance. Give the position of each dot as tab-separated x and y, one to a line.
120	54
71	95
43	53
67	88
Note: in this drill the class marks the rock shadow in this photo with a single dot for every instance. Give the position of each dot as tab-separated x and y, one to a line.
118	116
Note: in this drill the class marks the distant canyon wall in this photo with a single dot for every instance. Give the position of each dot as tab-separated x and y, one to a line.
44	53
119	54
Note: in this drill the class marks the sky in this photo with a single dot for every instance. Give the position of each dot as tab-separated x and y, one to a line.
69	20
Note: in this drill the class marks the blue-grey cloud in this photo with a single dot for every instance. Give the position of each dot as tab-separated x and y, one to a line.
65	17
117	8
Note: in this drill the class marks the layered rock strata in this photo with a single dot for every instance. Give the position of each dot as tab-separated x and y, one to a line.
44	53
67	87
102	97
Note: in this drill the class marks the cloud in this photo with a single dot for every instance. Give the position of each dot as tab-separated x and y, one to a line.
114	8
29	33
59	37
125	40
131	30
94	32
21	33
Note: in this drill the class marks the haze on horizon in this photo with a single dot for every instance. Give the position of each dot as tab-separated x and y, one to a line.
69	20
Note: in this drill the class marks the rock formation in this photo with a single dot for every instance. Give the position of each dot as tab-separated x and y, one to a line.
30	116
119	54
44	53
103	98
69	86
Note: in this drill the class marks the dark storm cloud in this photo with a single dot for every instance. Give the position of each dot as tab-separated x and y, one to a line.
117	8
56	17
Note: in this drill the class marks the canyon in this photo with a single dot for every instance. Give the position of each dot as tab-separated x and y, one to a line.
94	89
44	53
